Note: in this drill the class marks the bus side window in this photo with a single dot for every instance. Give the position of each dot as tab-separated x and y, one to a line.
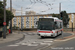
60	24
56	25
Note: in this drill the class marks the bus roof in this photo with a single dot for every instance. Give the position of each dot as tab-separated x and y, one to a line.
50	17
55	18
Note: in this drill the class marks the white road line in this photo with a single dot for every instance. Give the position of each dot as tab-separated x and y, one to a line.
24	43
13	45
32	45
45	44
36	42
19	43
48	41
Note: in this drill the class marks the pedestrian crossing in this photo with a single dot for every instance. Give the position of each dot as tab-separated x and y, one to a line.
30	33
34	43
32	40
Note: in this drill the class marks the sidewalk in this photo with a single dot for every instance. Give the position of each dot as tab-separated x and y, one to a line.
68	37
11	37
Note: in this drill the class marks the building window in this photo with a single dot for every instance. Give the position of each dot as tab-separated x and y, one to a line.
22	22
31	22
14	19
27	22
18	21
35	20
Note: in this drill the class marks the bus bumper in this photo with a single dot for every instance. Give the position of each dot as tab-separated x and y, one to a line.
47	34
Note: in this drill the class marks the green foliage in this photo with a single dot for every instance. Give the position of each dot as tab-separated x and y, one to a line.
65	17
32	26
9	15
55	15
24	27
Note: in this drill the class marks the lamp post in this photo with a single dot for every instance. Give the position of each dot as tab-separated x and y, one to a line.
21	20
11	19
61	17
72	21
4	32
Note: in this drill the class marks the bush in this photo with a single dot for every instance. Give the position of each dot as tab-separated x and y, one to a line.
32	26
15	27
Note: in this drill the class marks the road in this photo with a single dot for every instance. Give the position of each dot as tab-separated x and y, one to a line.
31	42
67	45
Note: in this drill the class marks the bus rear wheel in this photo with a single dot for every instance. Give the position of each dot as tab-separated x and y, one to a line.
42	36
61	33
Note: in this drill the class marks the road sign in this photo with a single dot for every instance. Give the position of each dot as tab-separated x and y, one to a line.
4	23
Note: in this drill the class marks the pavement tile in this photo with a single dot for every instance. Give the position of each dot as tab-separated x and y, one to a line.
11	37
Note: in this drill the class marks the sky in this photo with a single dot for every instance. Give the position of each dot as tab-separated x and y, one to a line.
42	6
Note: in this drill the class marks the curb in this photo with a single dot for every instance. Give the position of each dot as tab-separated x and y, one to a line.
12	42
66	38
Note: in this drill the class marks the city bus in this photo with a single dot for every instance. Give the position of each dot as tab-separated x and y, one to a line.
49	27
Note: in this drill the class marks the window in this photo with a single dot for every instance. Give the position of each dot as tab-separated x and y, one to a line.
58	25
27	22
35	20
14	19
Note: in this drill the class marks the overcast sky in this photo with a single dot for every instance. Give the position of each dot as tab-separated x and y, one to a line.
42	6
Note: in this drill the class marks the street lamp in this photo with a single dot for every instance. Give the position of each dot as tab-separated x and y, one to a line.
11	19
4	23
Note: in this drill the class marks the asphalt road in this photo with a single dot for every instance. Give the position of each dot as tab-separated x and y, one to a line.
67	45
32	42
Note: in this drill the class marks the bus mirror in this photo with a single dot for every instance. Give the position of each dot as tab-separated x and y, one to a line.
55	22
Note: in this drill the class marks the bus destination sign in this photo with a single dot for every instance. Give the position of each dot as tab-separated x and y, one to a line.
46	19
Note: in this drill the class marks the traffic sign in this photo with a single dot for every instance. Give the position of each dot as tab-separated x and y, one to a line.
4	23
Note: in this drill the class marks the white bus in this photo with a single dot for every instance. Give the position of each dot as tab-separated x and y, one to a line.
49	26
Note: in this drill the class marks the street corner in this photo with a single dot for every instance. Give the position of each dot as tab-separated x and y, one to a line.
67	37
11	38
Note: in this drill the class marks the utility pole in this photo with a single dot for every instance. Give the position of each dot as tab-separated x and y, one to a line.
11	19
21	20
72	21
4	32
72	26
59	10
61	15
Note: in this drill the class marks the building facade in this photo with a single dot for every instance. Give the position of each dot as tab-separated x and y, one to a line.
70	21
29	21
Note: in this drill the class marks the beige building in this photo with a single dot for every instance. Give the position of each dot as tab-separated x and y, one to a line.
70	21
29	21
30	13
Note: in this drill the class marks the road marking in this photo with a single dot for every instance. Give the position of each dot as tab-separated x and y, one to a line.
32	45
24	43
45	44
48	41
13	45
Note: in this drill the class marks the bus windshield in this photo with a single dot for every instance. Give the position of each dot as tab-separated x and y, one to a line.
45	25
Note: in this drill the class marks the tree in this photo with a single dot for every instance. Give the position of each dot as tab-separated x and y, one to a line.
55	15
9	15
65	17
